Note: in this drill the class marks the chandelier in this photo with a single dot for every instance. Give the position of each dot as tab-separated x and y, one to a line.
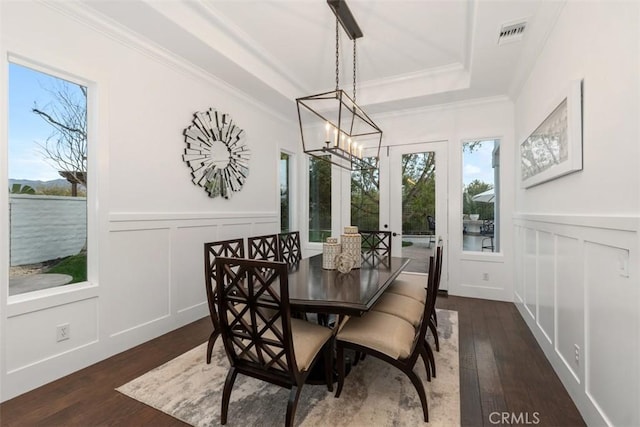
332	126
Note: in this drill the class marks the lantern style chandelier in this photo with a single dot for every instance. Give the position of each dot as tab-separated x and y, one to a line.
332	126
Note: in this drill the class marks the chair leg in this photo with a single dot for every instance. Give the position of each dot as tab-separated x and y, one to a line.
328	364
358	357
294	395
432	359
340	362
434	331
212	341
417	383
426	360
226	394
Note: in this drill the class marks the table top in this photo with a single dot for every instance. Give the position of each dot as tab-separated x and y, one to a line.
315	290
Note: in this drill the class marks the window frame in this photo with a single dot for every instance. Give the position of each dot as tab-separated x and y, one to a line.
46	298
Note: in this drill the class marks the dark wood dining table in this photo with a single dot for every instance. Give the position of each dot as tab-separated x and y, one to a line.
315	290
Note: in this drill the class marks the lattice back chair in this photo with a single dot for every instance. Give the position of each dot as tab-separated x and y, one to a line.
260	337
376	245
264	247
391	339
212	250
289	246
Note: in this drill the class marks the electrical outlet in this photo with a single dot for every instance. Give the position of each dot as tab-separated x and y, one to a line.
63	332
576	349
485	277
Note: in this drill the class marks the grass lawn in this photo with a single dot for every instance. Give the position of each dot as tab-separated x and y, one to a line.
75	266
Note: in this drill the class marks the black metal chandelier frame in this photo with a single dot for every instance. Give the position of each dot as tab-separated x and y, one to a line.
349	120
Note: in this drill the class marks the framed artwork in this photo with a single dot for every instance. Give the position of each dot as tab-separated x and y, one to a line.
554	148
217	153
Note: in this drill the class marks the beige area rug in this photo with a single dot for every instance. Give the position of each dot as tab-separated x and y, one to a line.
374	394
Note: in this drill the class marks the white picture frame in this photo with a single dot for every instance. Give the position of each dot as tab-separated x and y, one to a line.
554	148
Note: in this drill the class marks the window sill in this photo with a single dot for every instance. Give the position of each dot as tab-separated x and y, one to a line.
52	297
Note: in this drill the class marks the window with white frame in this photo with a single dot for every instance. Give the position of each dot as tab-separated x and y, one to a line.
481	195
319	200
47	170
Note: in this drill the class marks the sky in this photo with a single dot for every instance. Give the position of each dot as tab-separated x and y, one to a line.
27	86
477	165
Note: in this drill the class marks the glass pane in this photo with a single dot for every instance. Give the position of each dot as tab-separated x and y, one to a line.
284	193
47	181
418	208
365	199
319	200
480	195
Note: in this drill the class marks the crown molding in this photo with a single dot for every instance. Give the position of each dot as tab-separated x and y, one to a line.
107	27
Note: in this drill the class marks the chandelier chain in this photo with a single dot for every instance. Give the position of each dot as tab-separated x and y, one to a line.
337	56
354	70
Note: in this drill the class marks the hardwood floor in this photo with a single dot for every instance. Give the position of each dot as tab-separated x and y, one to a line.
502	370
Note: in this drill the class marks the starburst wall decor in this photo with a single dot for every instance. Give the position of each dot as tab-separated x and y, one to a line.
216	153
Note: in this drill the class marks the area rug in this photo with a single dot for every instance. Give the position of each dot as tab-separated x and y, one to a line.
374	394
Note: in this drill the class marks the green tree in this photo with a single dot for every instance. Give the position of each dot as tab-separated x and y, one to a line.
484	209
418	191
365	199
319	200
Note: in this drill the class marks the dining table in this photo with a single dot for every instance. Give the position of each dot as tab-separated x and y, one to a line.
313	289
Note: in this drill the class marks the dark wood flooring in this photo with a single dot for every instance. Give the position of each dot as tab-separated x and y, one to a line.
502	370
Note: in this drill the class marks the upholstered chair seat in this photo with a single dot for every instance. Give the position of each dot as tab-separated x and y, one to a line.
410	285
401	306
382	332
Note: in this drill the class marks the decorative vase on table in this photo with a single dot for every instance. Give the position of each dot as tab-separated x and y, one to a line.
352	244
330	250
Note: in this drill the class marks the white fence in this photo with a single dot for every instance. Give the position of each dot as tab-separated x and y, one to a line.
46	227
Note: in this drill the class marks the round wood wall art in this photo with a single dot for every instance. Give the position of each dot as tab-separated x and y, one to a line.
216	153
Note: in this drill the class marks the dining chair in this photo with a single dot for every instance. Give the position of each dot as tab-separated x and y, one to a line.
376	245
264	247
289	248
407	292
269	345
391	339
212	250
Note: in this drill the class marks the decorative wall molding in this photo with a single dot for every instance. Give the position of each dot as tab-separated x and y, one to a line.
611	222
570	269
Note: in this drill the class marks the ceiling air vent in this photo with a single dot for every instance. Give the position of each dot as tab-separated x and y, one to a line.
511	32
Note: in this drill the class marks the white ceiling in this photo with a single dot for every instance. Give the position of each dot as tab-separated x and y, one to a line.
413	53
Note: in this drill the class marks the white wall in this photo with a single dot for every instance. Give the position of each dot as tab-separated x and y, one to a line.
577	244
147	220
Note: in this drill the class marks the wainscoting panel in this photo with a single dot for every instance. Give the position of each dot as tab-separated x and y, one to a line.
530	270
612	341
188	258
42	345
138	279
519	247
546	284
581	301
570	302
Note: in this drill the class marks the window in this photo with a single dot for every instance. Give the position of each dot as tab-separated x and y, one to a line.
319	200
481	195
47	180
285	195
365	199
